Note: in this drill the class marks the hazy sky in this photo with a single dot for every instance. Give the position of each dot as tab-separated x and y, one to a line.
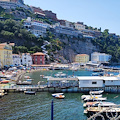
95	13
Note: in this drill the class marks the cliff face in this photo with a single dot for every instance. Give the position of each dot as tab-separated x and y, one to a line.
73	47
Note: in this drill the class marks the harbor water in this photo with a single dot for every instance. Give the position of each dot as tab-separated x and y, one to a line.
18	106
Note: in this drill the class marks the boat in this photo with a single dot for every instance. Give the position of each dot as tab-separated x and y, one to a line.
56	94
60	96
96	92
26	77
1	95
30	92
104	111
88	96
96	104
24	83
92	99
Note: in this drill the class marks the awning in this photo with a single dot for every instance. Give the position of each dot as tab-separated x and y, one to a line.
6	66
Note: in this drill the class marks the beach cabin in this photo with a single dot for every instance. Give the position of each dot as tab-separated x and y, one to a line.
112	81
91	82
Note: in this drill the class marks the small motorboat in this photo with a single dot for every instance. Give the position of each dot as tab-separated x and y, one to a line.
92	99
88	96
60	96
96	104
30	92
55	94
96	92
1	94
26	77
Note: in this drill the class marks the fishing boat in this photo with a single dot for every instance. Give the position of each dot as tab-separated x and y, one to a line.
56	94
92	99
88	96
30	92
96	92
96	104
60	96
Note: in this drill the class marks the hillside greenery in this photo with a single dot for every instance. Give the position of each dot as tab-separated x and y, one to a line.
25	41
110	44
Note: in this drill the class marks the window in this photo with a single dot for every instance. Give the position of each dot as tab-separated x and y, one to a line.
94	82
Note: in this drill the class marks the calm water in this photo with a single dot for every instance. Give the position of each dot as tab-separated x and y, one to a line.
38	107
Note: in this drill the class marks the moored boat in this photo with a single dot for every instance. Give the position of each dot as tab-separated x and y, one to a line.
60	96
30	92
88	96
96	92
94	99
106	112
98	103
56	94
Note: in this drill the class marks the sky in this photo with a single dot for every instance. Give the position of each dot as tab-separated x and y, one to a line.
95	13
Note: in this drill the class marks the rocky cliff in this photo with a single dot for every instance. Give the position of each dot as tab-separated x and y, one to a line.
73	47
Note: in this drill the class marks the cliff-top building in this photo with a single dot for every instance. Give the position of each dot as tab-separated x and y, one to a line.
8	4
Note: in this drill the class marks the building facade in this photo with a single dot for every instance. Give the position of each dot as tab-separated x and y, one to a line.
8	4
100	57
26	59
38	28
66	30
79	26
5	55
82	58
38	58
16	59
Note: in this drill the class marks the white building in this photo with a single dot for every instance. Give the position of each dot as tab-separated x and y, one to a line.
16	59
90	82
100	57
26	59
38	28
98	81
79	26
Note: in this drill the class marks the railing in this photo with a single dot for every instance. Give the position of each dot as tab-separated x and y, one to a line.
108	114
23	87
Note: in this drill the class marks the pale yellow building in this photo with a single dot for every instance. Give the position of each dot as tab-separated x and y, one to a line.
82	58
5	54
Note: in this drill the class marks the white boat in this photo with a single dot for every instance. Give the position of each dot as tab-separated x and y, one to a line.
60	96
94	99
96	104
26	77
88	96
55	94
96	92
30	92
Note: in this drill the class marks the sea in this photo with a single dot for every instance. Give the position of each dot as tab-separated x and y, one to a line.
18	106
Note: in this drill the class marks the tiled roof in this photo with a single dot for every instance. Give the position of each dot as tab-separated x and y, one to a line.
38	53
81	54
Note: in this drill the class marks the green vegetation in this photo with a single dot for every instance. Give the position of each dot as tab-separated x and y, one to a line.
109	44
4	14
13	31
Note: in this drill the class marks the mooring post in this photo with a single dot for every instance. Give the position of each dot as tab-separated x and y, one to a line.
52	107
